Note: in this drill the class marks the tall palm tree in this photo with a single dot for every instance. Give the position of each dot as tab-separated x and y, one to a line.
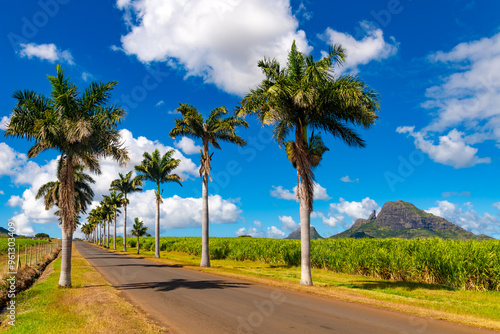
84	194
97	216
94	219
87	231
306	94
114	201
107	211
158	169
81	126
210	131
139	230
126	185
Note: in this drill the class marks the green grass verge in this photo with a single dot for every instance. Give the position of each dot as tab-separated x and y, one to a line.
91	306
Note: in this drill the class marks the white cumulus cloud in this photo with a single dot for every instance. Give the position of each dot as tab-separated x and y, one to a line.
464	103
452	149
288	223
220	41
274	232
279	192
252	231
3	123
10	160
373	46
347	179
344	213
30	173
48	52
177	212
187	146
468	218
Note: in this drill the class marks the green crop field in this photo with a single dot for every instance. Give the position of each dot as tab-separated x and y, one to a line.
4	243
468	265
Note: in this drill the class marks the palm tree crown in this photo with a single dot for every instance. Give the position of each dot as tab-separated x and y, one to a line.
212	130
138	229
80	126
158	169
306	94
126	184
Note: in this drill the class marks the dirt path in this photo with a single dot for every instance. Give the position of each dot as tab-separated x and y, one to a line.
193	302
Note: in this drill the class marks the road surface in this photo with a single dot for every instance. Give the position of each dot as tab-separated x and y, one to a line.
188	301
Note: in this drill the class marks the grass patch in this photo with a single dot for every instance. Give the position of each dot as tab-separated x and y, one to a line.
4	244
473	308
91	306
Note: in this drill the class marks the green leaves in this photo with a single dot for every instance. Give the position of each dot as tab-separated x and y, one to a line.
306	94
216	128
138	229
126	184
82	127
158	169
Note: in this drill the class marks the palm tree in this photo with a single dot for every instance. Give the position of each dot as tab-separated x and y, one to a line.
83	191
94	219
307	94
138	230
210	131
114	201
106	207
86	230
98	216
81	126
158	169
126	185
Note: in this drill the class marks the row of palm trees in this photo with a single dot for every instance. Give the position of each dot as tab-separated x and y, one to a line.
305	95
158	169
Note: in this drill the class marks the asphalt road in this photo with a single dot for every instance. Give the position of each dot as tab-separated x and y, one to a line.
187	301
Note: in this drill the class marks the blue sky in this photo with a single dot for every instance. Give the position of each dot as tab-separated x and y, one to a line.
435	64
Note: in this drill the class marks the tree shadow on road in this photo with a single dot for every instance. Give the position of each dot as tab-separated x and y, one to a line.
145	265
182	283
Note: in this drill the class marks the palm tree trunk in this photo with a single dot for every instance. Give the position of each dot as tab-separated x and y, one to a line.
305	240
157	227
205	254
125	227
67	201
65	277
107	237
137	245
114	238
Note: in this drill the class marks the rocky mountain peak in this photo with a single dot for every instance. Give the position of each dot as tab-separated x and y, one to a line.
399	219
313	233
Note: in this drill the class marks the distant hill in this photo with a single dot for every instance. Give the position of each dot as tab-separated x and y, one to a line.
296	234
400	219
4	232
